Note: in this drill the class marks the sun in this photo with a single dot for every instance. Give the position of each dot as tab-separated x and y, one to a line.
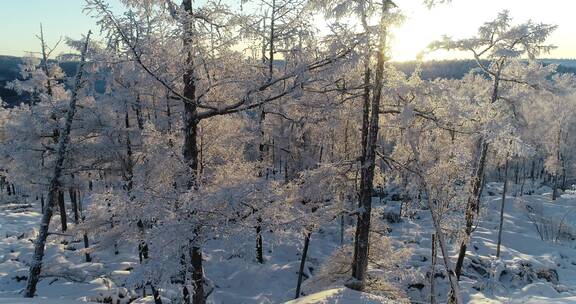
410	41
422	26
405	44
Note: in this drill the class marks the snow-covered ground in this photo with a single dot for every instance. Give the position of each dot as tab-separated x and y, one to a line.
531	270
340	296
66	278
548	266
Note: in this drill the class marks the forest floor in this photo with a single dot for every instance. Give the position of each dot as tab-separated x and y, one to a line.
535	267
531	269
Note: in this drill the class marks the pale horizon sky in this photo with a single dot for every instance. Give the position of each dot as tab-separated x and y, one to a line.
20	22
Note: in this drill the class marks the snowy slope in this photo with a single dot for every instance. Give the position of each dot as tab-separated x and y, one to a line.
238	279
65	278
530	270
340	296
522	245
37	301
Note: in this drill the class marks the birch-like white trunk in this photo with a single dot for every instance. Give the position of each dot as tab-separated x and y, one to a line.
55	184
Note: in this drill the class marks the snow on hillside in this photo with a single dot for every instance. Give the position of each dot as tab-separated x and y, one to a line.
340	296
37	301
547	267
531	270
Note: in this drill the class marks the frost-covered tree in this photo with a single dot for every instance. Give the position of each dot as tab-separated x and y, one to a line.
504	45
55	182
375	45
201	133
215	81
555	110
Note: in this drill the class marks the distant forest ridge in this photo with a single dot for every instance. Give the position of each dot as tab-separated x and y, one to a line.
452	69
10	70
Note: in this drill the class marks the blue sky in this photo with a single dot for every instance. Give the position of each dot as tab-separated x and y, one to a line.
20	21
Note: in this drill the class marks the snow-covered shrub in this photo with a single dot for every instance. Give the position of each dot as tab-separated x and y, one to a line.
518	274
488	273
385	269
112	294
548	227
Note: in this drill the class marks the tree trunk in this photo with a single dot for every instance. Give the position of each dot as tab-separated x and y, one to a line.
138	109
477	181
74	201
197	276
45	62
302	264
190	148
168	114
55	184
559	161
452	277
502	208
361	244
342	226
87	256
555	191
128	164
156	295
259	242
516	173
261	150
532	171
62	208
272	38
522	186
473	203
433	271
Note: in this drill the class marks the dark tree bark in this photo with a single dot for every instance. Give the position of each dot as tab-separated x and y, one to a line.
557	173
477	180
87	256
302	264
272	39
190	149
197	276
138	109
259	242
502	209
472	207
62	208
44	62
168	114
516	173
433	271
74	201
128	162
156	295
360	259
532	171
